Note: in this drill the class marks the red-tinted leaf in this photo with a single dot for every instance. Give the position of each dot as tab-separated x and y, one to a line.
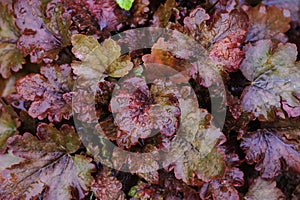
292	5
222	37
268	148
228	32
89	106
96	18
169	188
215	190
139	13
180	57
163	64
292	111
47	166
48	92
138	111
10	57
262	189
228	5
107	187
267	23
274	78
44	29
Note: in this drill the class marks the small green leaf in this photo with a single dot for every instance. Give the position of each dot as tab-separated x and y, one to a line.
133	191
125	4
8	124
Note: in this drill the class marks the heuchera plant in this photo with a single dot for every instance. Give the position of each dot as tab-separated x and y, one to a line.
69	85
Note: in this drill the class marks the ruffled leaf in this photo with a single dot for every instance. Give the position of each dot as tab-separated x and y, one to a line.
139	110
47	166
107	187
274	78
97	18
139	13
44	29
98	61
225	188
48	92
268	148
222	37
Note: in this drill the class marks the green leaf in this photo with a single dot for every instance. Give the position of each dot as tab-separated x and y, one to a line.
47	166
120	67
263	189
8	124
9	159
125	4
10	56
97	60
194	154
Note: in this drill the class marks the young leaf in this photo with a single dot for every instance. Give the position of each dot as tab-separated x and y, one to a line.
10	57
125	4
9	123
262	189
44	29
267	23
47	166
274	78
49	92
98	61
268	148
107	187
